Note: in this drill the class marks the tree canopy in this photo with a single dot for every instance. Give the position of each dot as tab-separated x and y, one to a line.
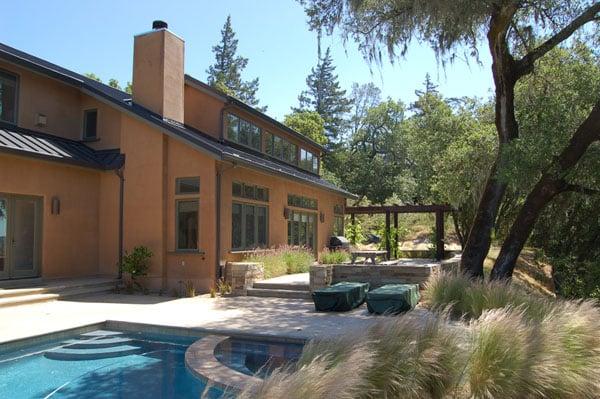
226	72
309	123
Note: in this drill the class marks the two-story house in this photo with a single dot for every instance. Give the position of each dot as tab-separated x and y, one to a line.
88	172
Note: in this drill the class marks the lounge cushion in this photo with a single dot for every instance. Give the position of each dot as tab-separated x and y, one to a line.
340	297
393	298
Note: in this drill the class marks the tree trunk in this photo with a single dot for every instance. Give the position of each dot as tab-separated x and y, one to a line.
503	68
550	184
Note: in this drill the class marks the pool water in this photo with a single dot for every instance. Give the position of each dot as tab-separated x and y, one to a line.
256	358
102	364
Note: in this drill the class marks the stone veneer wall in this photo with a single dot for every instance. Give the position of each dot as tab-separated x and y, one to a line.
241	276
377	275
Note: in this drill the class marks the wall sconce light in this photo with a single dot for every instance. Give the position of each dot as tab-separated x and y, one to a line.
41	120
55	206
286	213
322	217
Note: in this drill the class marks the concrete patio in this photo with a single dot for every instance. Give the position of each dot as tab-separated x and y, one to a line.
248	315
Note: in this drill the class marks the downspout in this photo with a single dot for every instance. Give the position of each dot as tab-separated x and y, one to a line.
119	173
218	221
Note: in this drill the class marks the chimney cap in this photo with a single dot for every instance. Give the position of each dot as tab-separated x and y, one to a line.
158	24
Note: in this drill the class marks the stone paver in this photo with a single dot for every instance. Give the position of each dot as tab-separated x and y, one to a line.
292	279
250	315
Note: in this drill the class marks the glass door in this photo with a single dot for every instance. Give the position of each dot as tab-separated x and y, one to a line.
3	237
302	229
19	236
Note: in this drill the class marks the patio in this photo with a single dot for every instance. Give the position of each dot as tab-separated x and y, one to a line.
247	315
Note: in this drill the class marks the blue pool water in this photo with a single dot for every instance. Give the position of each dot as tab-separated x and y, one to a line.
102	365
256	358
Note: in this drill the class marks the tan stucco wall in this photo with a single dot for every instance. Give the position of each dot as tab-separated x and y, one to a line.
63	107
71	241
203	112
278	191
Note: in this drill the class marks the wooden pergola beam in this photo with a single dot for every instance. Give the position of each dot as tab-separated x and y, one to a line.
371	210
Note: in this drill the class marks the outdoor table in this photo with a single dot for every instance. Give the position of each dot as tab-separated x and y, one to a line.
393	298
369	254
340	297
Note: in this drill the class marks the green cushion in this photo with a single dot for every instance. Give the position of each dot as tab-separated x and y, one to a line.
340	297
393	298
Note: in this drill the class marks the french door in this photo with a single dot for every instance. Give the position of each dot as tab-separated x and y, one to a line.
20	233
302	229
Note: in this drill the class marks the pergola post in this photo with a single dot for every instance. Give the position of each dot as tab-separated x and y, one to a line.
396	238
439	235
387	234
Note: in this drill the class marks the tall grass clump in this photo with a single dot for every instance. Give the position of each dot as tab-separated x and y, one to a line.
328	257
470	298
405	357
283	260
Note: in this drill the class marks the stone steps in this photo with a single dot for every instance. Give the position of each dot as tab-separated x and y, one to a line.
92	354
281	286
21	295
279	293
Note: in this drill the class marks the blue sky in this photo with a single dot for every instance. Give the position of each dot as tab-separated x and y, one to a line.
97	36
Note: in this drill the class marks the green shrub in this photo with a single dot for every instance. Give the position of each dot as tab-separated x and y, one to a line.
576	279
283	260
354	232
136	263
471	298
328	257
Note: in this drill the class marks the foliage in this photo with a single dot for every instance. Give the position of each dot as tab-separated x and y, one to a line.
190	290
354	232
328	257
283	260
223	287
576	279
308	123
467	298
225	73
325	97
114	83
137	262
502	354
393	236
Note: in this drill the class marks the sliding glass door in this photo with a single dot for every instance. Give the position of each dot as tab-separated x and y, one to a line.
302	229
20	233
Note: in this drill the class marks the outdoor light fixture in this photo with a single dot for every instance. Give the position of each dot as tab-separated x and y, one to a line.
55	206
286	213
322	217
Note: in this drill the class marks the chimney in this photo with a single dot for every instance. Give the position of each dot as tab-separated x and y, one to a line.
158	81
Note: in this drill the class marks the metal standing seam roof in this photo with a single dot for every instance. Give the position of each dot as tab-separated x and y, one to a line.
20	141
122	100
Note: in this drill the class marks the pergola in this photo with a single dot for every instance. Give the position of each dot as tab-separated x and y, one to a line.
394	210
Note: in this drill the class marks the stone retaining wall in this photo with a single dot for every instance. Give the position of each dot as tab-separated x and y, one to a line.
378	275
242	275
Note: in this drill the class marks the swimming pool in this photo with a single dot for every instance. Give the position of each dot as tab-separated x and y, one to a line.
256	357
113	364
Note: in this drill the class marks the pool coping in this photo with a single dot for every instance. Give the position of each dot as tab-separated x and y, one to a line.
201	361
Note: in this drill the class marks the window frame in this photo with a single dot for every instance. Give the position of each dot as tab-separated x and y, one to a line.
243	244
178	180
250	138
291	223
87	111
16	97
255	189
177	204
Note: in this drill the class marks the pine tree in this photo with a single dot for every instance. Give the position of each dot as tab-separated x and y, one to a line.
325	96
226	73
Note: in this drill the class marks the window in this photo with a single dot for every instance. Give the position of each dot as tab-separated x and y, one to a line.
302	229
249	191
309	161
280	148
187	185
8	97
302	202
187	225
243	132
338	220
249	224
90	124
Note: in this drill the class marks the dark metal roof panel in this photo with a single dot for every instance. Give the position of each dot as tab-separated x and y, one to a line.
40	145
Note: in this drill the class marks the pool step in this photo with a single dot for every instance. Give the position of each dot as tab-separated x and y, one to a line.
92	354
96	343
279	293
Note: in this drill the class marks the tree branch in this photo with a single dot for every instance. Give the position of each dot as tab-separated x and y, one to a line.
525	65
576	188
